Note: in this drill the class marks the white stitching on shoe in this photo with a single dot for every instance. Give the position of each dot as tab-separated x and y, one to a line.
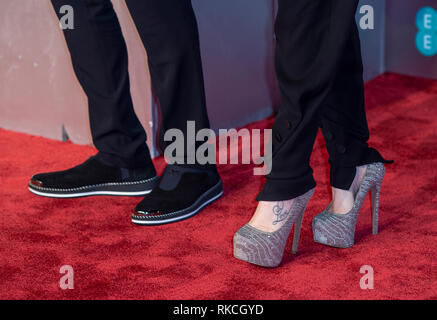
95	185
144	217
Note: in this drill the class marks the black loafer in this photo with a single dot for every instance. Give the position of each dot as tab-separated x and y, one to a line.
181	193
94	178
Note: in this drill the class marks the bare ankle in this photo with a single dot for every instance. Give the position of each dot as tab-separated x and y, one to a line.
343	200
270	215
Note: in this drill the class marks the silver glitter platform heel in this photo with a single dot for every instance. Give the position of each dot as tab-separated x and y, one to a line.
338	230
267	248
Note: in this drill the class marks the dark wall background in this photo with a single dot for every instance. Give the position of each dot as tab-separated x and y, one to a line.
237	49
373	41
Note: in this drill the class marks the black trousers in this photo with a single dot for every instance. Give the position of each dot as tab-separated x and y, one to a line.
320	74
168	29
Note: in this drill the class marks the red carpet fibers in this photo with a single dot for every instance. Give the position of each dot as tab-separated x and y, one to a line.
114	259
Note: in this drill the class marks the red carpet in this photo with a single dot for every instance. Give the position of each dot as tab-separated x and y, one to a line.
114	259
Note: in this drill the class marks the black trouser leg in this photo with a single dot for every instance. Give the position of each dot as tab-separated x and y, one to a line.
168	29
100	61
343	118
311	39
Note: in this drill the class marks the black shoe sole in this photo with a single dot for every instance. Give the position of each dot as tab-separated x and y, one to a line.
133	189
205	199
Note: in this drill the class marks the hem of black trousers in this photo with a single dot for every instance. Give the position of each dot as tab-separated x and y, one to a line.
345	174
114	161
286	189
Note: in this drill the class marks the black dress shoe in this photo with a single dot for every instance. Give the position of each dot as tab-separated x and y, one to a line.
181	193
94	178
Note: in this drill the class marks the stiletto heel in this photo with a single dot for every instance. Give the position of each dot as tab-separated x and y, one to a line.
296	233
267	248
338	230
375	208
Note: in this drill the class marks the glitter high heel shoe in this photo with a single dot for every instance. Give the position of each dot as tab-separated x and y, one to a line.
338	230
267	248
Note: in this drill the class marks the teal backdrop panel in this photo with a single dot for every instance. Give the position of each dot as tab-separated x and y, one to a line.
411	39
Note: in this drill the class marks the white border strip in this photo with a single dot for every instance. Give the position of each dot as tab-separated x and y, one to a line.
91	193
187	215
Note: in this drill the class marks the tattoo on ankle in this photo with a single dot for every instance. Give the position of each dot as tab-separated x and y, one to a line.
279	212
